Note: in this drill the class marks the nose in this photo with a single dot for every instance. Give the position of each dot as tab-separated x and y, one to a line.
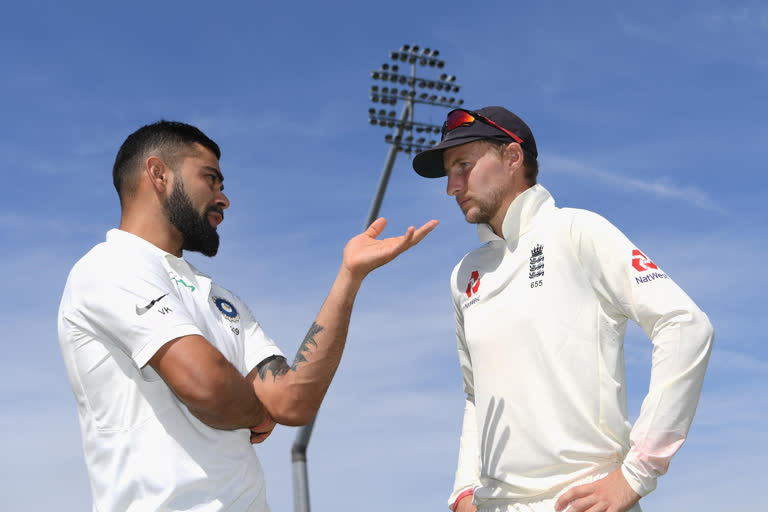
455	184
222	200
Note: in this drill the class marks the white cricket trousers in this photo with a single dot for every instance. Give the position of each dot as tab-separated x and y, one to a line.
545	502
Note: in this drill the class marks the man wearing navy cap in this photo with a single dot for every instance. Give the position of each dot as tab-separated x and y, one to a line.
541	309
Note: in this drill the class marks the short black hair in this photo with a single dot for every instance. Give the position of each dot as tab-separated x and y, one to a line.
168	139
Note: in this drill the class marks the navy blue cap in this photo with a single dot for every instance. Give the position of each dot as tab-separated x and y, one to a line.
429	163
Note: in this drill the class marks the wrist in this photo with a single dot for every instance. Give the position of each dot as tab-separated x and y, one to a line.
267	422
468	493
349	280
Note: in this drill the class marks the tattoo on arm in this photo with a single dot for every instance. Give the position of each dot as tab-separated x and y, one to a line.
305	348
278	366
275	364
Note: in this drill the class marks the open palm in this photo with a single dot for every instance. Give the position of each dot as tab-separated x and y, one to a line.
366	252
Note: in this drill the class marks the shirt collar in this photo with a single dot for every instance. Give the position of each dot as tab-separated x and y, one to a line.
129	240
520	215
148	249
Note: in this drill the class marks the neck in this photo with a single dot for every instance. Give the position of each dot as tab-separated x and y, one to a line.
497	222
153	227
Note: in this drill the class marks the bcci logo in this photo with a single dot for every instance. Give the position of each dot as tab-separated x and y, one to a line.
226	308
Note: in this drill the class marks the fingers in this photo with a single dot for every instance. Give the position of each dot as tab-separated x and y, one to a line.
412	236
257	438
260	436
376	227
570	495
424	230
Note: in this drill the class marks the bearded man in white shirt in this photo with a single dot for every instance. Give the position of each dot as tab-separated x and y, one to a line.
541	310
173	376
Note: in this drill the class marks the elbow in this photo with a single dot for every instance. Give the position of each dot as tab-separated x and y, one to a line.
293	410
293	418
707	331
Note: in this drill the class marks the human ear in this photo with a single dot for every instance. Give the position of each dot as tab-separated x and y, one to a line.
514	154
158	173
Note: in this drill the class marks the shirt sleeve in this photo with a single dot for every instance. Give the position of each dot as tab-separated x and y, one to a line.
468	468
631	285
258	345
137	310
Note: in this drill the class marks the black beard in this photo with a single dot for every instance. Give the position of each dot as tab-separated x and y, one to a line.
199	235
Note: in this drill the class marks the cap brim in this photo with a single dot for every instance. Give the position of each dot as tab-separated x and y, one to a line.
429	163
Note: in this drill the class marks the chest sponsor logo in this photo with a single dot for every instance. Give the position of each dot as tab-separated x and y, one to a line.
649	269
641	262
474	283
472	287
536	266
178	280
141	310
226	308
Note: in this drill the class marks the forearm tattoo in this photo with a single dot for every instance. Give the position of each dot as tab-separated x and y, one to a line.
306	345
278	366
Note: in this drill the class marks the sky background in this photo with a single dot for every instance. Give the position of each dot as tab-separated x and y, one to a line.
652	114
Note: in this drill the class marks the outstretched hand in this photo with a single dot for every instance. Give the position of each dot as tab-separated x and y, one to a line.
365	252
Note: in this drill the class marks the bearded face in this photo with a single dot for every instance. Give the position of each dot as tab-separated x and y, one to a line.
199	235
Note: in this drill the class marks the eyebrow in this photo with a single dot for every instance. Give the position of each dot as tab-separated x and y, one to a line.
453	161
215	170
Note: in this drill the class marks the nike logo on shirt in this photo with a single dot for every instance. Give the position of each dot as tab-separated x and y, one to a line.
141	311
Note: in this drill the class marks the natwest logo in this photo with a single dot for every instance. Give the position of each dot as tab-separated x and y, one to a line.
641	262
474	283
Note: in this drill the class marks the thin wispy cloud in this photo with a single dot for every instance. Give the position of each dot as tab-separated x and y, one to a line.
737	18
734	34
636	30
324	124
662	187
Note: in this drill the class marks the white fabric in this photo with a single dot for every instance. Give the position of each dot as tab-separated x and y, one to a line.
143	449
540	337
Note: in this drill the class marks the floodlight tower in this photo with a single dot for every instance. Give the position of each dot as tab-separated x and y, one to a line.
436	92
397	86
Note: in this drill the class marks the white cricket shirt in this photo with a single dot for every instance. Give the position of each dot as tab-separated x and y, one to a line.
540	322
143	449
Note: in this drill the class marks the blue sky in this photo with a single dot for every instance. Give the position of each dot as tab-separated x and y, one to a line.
652	115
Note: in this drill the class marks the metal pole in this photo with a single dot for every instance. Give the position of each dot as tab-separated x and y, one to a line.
299	461
378	197
299	448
